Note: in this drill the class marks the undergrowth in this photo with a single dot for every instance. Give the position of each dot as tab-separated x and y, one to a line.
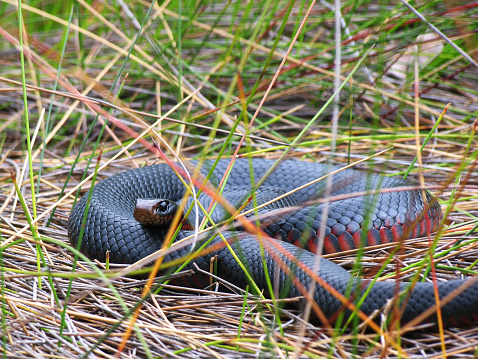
89	89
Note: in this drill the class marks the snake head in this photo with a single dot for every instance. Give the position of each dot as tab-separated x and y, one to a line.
155	211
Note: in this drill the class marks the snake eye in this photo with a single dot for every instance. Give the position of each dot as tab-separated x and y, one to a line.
163	206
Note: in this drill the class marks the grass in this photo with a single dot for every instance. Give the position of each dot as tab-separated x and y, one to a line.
211	79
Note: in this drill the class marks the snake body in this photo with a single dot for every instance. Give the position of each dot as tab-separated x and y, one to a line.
351	221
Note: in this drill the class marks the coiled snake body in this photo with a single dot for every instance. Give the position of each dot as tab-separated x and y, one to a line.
371	219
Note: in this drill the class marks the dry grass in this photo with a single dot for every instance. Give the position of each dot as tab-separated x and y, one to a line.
196	323
37	277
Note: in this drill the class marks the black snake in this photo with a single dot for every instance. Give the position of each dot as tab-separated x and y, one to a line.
365	219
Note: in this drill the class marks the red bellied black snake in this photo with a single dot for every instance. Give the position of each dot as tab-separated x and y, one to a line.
351	222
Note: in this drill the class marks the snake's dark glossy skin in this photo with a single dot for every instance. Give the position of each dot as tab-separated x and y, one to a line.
382	218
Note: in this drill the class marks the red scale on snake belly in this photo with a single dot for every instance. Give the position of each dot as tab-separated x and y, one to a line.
373	237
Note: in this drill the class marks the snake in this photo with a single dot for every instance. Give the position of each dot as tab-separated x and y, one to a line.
365	209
